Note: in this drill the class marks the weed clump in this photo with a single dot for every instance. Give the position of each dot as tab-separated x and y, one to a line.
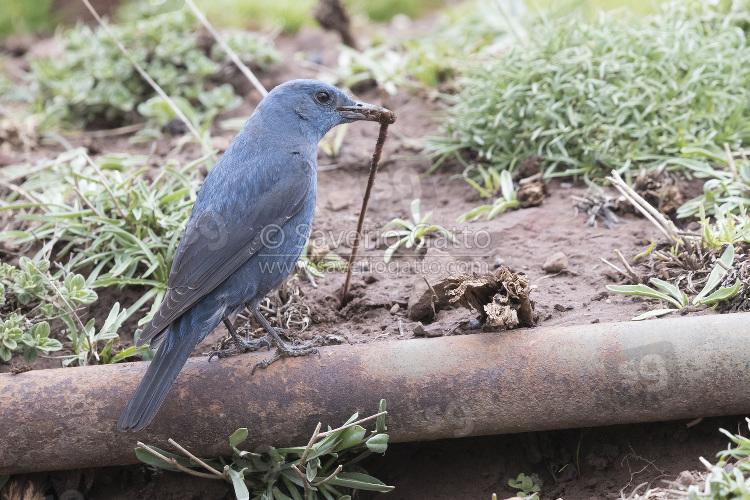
94	80
614	94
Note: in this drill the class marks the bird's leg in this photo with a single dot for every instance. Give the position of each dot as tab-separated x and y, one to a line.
283	350
240	345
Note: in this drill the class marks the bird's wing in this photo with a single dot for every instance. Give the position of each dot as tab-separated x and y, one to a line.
216	244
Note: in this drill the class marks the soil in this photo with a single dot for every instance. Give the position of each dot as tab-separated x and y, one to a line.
610	459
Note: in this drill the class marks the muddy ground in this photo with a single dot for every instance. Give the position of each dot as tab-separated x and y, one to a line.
609	459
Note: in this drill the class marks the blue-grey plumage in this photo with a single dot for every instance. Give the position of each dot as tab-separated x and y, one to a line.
249	224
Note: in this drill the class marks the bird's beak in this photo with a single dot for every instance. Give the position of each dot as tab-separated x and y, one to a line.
368	112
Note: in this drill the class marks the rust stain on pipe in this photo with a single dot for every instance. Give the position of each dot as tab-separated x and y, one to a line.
546	378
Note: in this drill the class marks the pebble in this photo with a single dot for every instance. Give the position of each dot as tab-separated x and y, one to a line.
555	263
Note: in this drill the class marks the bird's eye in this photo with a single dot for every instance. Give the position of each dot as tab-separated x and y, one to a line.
323	96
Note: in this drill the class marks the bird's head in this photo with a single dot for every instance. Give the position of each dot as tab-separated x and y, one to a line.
316	107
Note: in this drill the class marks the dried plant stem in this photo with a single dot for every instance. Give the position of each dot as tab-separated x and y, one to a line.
193	457
146	76
368	191
314	438
232	55
112	132
176	464
614	266
732	165
328	433
333	474
643	206
18	190
627	266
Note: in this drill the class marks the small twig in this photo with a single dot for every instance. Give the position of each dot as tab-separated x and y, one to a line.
232	55
382	335
433	297
112	132
303	458
743	155
532	178
642	205
305	483
176	464
328	433
732	165
614	267
309	277
694	422
720	263
335	473
627	266
193	457
360	223
146	76
19	190
550	275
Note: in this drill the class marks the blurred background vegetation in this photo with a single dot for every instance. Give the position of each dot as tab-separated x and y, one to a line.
43	16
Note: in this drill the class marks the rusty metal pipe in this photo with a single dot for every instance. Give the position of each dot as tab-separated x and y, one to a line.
547	378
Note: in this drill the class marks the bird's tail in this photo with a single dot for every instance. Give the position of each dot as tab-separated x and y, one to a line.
161	373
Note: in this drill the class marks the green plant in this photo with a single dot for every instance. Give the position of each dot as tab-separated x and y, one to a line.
159	114
333	148
249	47
96	81
25	17
10	334
385	65
725	228
311	472
415	232
723	482
726	190
111	215
670	293
617	93
321	262
31	297
493	181
526	486
37	340
86	340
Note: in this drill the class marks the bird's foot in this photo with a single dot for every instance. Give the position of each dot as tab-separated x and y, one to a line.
240	346
284	350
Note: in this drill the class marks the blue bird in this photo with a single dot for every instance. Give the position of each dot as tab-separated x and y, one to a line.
250	222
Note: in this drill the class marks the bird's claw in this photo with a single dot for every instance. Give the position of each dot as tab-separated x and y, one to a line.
241	346
288	351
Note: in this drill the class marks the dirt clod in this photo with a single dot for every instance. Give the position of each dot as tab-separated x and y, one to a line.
428	331
428	290
528	168
332	16
555	263
659	189
316	253
16	368
531	194
502	298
